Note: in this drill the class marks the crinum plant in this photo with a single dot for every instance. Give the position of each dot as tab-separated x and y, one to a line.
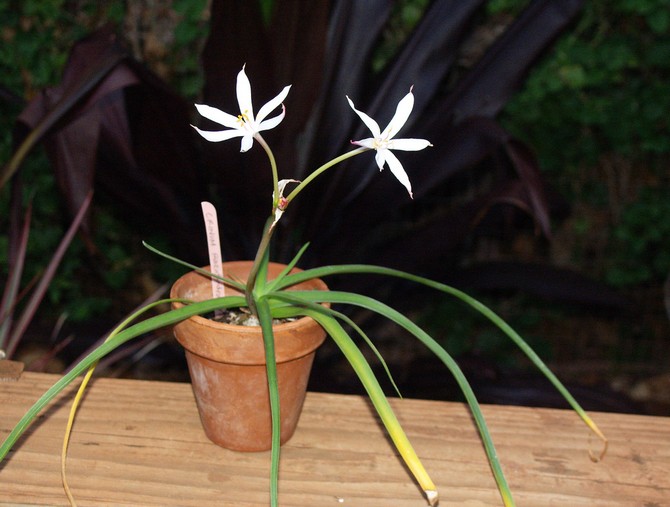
268	299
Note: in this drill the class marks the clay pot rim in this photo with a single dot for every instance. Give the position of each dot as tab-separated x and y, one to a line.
205	322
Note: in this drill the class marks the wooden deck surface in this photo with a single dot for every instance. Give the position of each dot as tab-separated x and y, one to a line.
140	443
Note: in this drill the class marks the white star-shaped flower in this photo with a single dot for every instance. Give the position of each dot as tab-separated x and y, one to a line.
384	142
244	125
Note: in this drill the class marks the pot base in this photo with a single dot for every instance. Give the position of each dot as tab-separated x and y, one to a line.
228	397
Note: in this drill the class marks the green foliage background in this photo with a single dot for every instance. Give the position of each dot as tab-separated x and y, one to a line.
597	113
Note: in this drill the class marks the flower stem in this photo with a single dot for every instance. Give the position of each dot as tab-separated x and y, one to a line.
258	261
261	253
322	169
273	165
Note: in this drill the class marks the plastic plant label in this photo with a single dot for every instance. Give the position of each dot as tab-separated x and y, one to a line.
214	249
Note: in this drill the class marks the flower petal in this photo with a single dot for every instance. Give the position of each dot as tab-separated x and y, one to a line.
272	105
409	144
218	116
380	158
398	171
247	142
369	122
366	143
244	95
272	122
402	112
219	135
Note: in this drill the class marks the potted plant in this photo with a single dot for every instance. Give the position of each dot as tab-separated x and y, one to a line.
226	361
268	292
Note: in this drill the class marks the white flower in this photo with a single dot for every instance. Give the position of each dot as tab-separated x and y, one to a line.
383	142
244	125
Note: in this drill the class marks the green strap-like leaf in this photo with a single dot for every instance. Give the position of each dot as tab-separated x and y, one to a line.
233	283
469	300
272	284
265	318
440	352
377	397
151	324
294	309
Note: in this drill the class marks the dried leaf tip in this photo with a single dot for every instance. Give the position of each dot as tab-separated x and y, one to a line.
432	496
592	425
597	458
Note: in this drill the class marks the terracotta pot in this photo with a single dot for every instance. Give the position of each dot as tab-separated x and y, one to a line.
227	366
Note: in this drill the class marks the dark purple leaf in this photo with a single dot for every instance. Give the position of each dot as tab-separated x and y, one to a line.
527	167
113	122
123	351
496	77
38	293
54	106
288	51
548	282
359	196
424	61
146	157
355	28
443	234
17	244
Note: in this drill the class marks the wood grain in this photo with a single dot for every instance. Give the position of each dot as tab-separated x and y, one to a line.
140	443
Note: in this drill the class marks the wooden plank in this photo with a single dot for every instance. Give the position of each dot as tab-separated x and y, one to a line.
140	443
10	370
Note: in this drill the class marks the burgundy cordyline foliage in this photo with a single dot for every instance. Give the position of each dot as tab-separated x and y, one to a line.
113	126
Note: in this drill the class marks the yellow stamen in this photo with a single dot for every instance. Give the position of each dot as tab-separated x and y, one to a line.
243	117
